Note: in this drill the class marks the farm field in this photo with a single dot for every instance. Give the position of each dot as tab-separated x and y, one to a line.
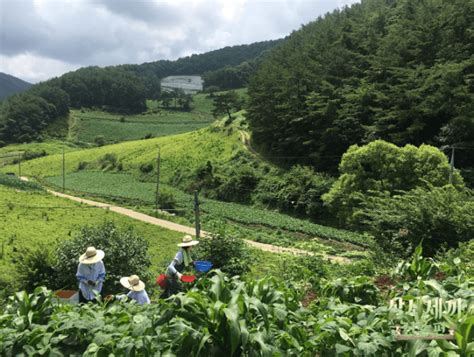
179	152
249	222
11	152
156	122
31	218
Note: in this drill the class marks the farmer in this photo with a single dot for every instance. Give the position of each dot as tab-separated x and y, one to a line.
137	289
178	264
90	274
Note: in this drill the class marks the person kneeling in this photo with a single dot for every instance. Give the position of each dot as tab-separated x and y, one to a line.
137	289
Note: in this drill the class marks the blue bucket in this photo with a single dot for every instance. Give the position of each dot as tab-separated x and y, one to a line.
203	266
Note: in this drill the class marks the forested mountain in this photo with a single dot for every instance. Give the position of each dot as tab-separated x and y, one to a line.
401	71
121	88
10	85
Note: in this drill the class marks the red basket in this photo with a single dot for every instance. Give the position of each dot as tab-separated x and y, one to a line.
161	280
188	278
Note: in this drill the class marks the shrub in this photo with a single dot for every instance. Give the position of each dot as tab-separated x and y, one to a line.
166	199
82	165
34	268
99	140
436	216
384	167
125	254
227	252
108	161
146	168
297	191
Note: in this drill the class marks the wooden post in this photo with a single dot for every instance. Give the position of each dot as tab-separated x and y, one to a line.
19	165
197	214
64	171
158	169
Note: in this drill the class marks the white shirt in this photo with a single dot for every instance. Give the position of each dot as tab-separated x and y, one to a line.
141	297
94	272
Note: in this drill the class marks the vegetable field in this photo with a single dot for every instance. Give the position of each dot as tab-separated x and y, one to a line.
220	316
126	186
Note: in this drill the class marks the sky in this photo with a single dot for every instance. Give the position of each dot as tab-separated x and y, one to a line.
41	39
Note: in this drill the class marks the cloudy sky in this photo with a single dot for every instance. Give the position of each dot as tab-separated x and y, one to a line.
40	39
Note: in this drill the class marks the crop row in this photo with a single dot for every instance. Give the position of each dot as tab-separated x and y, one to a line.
126	186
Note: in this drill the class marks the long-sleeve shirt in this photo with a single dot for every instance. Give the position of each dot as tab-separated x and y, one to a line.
178	260
94	272
141	297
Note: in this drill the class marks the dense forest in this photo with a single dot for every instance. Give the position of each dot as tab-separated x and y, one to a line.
401	71
123	88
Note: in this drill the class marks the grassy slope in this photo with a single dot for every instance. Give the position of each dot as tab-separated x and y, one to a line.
33	217
188	150
10	152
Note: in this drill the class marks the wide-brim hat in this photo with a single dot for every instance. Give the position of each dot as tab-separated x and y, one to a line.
133	283
187	242
91	256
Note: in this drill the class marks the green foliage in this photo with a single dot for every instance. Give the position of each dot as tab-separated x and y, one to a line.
125	253
230	317
166	199
226	252
15	182
381	167
393	70
297	190
435	216
360	290
226	103
35	268
99	140
108	161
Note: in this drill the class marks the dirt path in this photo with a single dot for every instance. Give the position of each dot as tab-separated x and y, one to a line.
181	228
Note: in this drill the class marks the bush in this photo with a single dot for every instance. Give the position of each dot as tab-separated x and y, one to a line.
436	216
34	268
99	140
125	254
384	167
226	252
146	168
108	161
297	191
82	165
166	199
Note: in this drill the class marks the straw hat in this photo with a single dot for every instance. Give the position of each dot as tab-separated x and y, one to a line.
133	283
91	256
187	242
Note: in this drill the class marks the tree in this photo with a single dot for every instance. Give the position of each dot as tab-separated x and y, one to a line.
384	167
225	103
431	216
125	253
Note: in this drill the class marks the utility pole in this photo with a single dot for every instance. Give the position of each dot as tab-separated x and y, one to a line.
64	172
197	214
19	165
451	164
158	169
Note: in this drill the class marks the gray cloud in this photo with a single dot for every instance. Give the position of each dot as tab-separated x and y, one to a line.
44	38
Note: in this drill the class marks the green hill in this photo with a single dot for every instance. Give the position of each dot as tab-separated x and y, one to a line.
400	71
10	85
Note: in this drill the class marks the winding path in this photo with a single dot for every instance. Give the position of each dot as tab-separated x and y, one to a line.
181	228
